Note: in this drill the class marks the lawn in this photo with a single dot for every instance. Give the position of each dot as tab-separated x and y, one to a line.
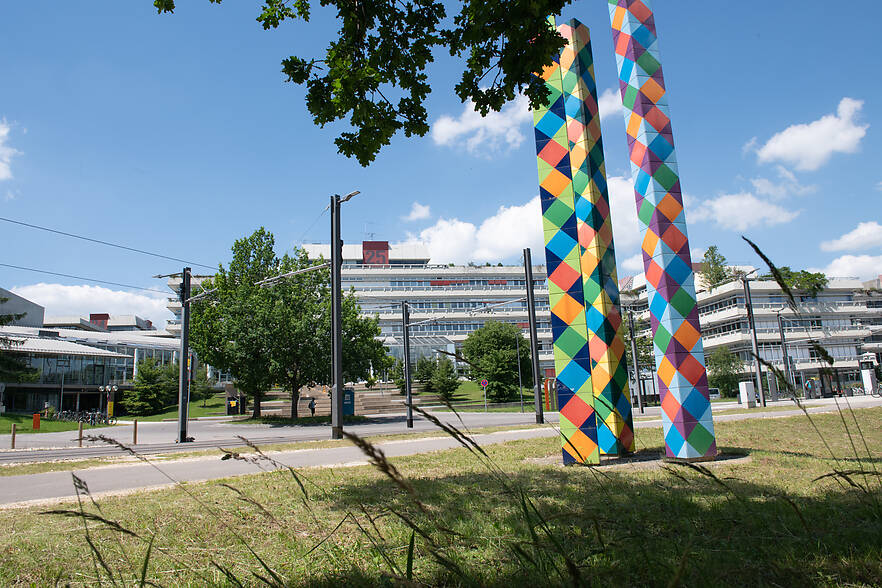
214	406
24	424
515	518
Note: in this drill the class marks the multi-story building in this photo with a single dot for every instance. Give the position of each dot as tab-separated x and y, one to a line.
101	322
447	302
845	318
70	364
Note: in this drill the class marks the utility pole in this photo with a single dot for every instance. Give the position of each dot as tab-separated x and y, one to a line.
634	360
184	359
336	322
405	327
784	356
534	338
755	346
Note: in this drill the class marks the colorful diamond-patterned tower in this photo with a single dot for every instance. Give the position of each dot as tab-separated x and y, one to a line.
591	376
679	355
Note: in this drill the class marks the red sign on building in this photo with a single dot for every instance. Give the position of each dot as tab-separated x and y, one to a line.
375	252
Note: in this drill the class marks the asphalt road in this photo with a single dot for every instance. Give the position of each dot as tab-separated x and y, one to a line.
159	437
114	479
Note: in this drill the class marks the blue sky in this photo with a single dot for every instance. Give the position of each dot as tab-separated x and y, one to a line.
177	134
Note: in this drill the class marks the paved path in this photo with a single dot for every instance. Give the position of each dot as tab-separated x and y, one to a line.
114	479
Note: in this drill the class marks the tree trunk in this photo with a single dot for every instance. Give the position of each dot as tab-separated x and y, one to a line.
256	414
295	400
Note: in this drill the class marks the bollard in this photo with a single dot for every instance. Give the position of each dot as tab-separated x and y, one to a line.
13	436
80	433
36	425
135	433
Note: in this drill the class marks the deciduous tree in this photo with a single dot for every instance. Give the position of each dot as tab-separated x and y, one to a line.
723	370
491	351
374	69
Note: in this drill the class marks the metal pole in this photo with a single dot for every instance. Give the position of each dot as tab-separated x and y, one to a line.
405	318
336	322
754	344
183	356
784	355
520	380
634	360
534	338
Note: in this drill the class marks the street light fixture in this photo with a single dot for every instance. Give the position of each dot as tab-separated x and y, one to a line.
336	315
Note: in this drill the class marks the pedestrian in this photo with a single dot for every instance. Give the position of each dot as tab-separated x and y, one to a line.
312	406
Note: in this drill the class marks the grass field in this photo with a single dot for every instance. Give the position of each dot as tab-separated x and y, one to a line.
515	518
24	424
213	407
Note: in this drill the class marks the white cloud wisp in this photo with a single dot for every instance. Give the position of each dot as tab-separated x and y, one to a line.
866	235
6	153
60	300
809	146
417	212
481	135
863	267
739	212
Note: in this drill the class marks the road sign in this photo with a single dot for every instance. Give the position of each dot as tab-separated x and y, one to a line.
484	383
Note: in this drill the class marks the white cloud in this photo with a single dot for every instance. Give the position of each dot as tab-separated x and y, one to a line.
482	135
610	102
60	300
864	267
417	212
809	146
6	152
788	185
623	210
879	186
749	146
633	264
741	211
501	236
866	235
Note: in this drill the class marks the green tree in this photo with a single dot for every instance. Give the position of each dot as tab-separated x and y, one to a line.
491	351
397	374
201	388
445	380
424	371
12	365
724	370
812	283
373	71
150	390
233	329
645	353
714	270
300	327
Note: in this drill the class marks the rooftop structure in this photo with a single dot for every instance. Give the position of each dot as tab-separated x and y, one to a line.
101	322
15	304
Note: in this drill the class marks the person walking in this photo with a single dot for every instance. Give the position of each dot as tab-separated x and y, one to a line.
312	406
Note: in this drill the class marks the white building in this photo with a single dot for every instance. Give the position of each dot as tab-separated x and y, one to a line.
845	318
384	275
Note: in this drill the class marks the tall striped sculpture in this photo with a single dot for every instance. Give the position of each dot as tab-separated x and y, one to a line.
679	355
593	399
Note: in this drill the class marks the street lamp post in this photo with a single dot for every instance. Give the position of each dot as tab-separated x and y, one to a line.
408	395
534	338
336	316
784	355
183	359
754	345
635	361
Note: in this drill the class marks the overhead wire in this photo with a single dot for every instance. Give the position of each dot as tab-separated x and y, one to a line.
108	243
31	269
